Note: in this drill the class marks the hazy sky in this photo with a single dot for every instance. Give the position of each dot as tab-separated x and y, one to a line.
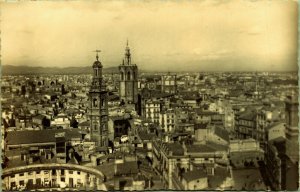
196	35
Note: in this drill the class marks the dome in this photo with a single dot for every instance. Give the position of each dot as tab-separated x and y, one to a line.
97	64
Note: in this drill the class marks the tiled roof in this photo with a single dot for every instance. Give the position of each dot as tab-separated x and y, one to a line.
194	175
40	136
248	115
217	147
275	125
176	148
222	133
127	168
200	148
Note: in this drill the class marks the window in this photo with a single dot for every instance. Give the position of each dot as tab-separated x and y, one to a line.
13	184
22	182
37	172
12	176
30	173
23	156
78	172
70	172
21	174
62	172
62	179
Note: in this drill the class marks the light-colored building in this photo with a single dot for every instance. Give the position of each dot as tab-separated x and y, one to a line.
167	120
52	176
152	110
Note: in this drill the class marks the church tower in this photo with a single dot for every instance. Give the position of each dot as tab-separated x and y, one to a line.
292	129
98	110
128	78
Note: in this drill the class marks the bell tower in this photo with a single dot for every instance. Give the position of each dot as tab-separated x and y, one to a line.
292	129
128	78
98	111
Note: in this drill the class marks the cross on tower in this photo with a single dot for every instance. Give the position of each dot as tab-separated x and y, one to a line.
97	51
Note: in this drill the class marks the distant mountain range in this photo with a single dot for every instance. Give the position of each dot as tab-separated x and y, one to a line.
26	70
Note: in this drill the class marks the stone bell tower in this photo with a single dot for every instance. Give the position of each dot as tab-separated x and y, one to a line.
128	78
98	111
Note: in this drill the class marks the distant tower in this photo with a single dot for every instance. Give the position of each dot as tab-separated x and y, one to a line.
292	129
98	110
128	78
169	83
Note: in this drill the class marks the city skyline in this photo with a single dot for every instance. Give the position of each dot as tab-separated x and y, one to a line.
253	36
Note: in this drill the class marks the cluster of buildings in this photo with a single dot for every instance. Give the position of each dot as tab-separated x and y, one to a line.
131	131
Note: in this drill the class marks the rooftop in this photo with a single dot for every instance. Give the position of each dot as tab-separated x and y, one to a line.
194	175
40	136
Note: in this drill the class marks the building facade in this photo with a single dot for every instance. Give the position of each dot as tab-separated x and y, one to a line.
168	83
52	176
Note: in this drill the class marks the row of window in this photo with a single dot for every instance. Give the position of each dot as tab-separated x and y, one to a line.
243	122
152	105
46	172
39	181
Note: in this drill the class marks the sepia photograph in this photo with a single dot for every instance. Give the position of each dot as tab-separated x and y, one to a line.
149	95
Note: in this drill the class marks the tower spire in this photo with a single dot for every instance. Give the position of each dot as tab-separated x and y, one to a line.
127	54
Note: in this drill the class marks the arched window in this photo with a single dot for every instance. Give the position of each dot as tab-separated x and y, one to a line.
128	75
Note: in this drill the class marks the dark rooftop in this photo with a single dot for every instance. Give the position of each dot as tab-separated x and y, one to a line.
40	136
193	175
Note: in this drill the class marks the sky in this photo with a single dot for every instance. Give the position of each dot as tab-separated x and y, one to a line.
203	35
